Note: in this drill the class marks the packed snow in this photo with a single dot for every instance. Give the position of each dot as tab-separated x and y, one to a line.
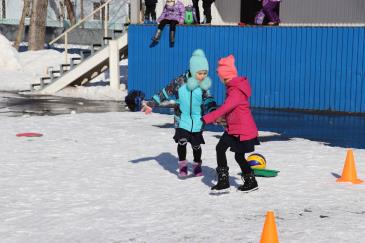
19	70
112	177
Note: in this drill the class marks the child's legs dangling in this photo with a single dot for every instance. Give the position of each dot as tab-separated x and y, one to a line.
173	24
163	23
157	36
242	162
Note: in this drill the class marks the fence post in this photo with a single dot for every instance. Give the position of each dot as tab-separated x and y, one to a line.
114	72
135	11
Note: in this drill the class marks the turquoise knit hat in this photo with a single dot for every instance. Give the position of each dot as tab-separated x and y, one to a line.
198	62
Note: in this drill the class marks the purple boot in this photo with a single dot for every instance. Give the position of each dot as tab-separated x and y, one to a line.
197	169
183	168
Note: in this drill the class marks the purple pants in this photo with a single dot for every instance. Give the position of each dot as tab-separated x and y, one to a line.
269	10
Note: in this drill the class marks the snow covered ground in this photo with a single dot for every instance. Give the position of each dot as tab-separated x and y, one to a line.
112	177
19	70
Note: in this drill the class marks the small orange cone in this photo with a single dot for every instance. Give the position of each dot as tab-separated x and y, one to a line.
269	233
349	170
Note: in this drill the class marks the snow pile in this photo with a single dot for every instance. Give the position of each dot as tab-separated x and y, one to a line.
38	62
9	58
19	70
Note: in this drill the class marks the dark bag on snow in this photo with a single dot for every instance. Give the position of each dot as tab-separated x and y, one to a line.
134	100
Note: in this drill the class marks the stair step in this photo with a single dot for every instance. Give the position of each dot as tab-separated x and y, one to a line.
42	83
117	33
97	46
73	61
106	40
62	68
85	54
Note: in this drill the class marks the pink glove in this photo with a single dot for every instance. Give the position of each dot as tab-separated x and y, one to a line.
146	109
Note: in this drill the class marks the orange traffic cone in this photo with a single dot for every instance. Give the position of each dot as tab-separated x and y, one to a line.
349	170
269	233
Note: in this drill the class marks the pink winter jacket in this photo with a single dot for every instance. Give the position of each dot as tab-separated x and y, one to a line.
236	110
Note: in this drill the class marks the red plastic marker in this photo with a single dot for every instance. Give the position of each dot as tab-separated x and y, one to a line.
29	134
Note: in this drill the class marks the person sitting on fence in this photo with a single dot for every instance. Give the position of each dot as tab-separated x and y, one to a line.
172	14
207	5
269	11
150	14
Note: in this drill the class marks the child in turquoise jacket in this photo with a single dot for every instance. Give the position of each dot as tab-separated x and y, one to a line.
191	91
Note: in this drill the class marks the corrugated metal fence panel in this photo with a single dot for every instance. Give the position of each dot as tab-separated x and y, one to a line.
322	11
297	68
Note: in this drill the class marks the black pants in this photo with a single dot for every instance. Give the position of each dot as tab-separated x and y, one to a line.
172	24
221	149
150	10
197	153
207	5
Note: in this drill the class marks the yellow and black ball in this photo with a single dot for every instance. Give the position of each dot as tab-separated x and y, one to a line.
256	161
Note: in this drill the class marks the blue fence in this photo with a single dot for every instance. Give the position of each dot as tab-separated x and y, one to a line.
315	68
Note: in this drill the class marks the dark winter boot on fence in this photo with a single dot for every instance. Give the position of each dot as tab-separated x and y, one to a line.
197	169
250	183
156	38
172	39
223	179
183	168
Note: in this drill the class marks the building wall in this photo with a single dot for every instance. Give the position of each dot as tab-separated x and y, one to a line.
292	11
315	68
323	11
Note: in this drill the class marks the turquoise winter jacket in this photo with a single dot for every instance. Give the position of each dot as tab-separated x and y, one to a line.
192	101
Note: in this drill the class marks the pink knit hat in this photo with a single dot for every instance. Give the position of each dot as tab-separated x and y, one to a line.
226	68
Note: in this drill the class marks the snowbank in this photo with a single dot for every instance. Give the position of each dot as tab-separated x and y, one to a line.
9	58
19	70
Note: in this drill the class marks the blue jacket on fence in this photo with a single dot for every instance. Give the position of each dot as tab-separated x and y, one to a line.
192	98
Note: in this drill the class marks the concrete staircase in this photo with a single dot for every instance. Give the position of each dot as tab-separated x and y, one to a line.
81	70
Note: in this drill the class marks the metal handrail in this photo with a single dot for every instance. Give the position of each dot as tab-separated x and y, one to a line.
65	34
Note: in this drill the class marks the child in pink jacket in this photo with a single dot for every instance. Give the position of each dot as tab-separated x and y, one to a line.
241	131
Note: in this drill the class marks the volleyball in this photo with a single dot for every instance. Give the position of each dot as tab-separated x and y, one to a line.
256	161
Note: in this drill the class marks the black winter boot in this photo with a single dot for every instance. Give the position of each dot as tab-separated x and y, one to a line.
156	38
250	183
223	179
172	39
